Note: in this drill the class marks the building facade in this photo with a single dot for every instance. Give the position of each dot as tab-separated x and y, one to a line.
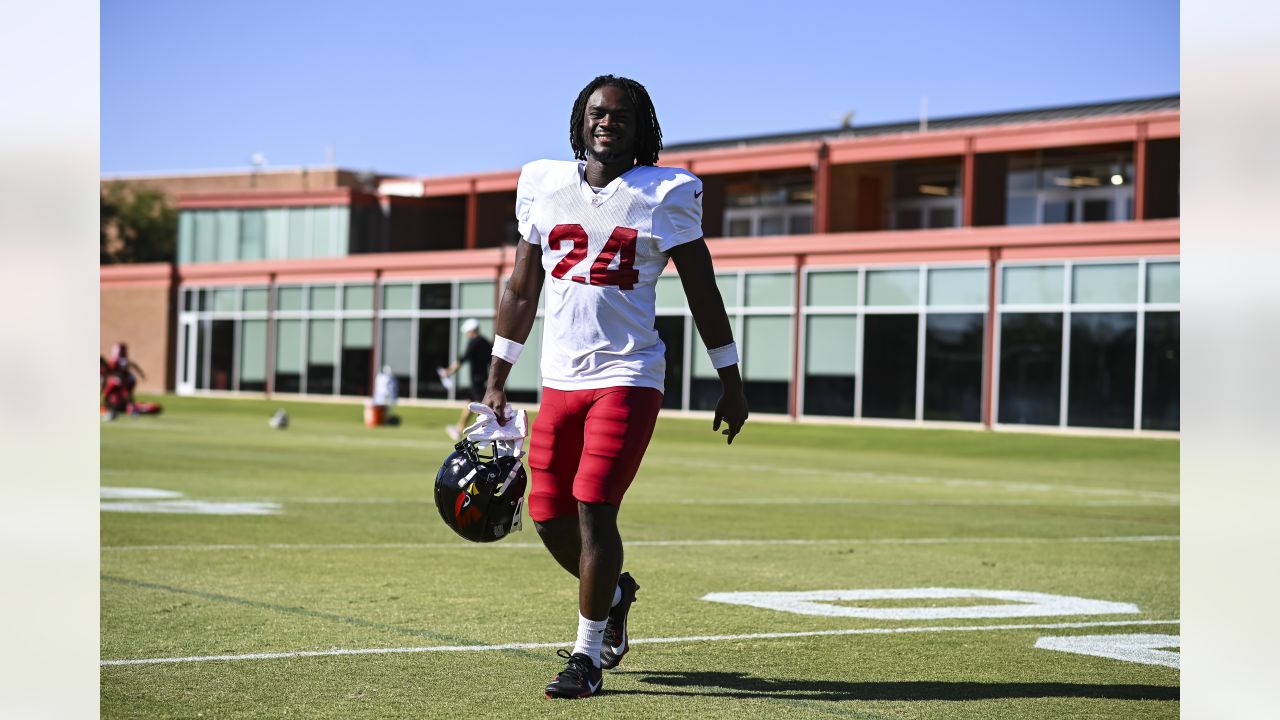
1013	269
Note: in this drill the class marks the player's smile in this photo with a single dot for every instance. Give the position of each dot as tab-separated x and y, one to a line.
608	123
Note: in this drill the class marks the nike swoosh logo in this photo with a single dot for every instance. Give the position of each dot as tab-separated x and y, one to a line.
621	649
698	194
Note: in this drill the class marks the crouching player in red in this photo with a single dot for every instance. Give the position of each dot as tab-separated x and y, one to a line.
597	234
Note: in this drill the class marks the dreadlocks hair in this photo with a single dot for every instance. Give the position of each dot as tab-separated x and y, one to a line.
648	132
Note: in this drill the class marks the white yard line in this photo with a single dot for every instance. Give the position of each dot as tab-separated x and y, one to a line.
654	641
788	470
906	502
123	493
891	478
658	543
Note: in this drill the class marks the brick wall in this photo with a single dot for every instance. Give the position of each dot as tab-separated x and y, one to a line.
140	315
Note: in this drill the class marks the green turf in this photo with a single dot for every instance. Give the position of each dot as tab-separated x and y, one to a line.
358	559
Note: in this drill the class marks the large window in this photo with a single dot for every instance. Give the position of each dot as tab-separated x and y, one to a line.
830	377
357	357
955	328
896	343
231	234
322	357
331	338
1103	362
953	367
435	351
253	355
1030	368
397	351
889	366
1089	344
435	344
767	339
289	356
926	194
671	329
766	365
1067	185
831	343
1160	371
222	355
1160	347
224	333
769	204
1077	343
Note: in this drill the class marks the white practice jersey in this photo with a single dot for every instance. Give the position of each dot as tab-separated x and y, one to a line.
603	253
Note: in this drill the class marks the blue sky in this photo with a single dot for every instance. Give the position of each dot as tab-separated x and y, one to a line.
427	88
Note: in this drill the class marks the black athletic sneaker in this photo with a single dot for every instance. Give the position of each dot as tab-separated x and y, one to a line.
579	679
616	641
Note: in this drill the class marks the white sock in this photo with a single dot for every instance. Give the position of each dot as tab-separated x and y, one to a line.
617	596
590	633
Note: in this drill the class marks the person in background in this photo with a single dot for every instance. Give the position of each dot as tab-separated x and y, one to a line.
386	388
117	381
475	354
386	391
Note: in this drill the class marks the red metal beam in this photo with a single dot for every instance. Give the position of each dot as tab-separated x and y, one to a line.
376	356
472	216
271	334
797	300
822	191
748	159
968	183
1140	173
1069	240
989	342
1009	236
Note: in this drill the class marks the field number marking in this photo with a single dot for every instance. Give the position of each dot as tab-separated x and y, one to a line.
136	493
1145	649
1017	603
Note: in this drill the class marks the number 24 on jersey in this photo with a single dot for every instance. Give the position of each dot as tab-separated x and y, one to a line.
621	244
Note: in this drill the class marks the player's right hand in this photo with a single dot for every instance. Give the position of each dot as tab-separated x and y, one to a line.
732	409
496	400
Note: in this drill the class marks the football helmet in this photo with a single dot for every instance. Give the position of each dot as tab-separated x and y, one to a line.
481	496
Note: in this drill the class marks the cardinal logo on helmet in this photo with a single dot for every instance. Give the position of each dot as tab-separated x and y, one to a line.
470	497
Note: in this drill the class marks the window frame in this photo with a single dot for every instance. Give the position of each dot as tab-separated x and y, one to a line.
1068	305
755	215
861	309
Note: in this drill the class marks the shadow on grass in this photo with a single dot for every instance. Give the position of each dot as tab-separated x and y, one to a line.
741	685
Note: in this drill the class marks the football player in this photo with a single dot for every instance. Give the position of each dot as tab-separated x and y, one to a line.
597	232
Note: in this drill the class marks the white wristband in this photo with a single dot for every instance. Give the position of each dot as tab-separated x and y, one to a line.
508	350
724	356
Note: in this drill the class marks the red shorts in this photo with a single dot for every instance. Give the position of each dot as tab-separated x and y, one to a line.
586	446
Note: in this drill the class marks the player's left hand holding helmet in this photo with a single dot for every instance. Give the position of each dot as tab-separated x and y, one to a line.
480	487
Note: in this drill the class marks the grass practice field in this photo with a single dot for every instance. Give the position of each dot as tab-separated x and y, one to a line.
254	573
